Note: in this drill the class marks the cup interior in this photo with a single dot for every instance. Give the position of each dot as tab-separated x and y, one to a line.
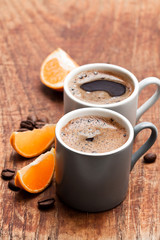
124	122
113	69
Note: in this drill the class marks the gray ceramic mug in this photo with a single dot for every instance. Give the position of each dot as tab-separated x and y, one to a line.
96	182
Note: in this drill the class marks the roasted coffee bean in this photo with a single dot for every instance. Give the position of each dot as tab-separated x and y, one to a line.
46	203
22	129
53	145
90	139
150	158
31	122
27	124
12	186
7	174
39	124
43	119
32	118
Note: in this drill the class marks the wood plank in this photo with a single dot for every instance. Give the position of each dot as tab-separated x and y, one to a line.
121	32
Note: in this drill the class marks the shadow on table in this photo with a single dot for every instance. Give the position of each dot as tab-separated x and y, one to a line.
16	158
51	94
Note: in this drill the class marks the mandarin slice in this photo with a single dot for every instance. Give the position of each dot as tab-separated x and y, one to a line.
32	143
55	68
37	175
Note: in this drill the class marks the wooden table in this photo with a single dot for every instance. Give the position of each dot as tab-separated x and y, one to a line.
126	33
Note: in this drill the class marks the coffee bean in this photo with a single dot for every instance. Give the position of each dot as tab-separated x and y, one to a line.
39	124
30	122
27	124
150	158
90	139
12	186
46	203
32	118
22	129
43	119
53	145
7	174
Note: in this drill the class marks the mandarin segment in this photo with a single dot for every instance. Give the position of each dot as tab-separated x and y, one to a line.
36	176
53	72
55	68
32	143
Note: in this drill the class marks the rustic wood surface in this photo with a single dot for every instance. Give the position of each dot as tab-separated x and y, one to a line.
126	33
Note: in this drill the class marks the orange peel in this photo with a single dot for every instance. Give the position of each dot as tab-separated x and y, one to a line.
32	143
55	68
37	175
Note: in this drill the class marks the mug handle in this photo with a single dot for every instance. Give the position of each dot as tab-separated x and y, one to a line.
144	148
145	82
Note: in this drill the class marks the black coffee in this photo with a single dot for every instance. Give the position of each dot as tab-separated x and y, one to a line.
100	87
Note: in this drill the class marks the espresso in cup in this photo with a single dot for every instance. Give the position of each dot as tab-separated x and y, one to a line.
100	87
94	134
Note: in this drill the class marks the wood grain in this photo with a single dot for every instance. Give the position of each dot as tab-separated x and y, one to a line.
121	32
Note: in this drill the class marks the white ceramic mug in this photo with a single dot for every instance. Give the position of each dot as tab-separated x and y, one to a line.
96	182
127	107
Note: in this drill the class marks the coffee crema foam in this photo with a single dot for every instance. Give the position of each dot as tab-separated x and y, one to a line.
94	134
99	87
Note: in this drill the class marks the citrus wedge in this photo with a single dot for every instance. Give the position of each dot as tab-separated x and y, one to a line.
55	68
37	175
32	143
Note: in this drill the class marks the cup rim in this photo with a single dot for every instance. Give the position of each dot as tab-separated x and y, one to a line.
97	66
94	112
